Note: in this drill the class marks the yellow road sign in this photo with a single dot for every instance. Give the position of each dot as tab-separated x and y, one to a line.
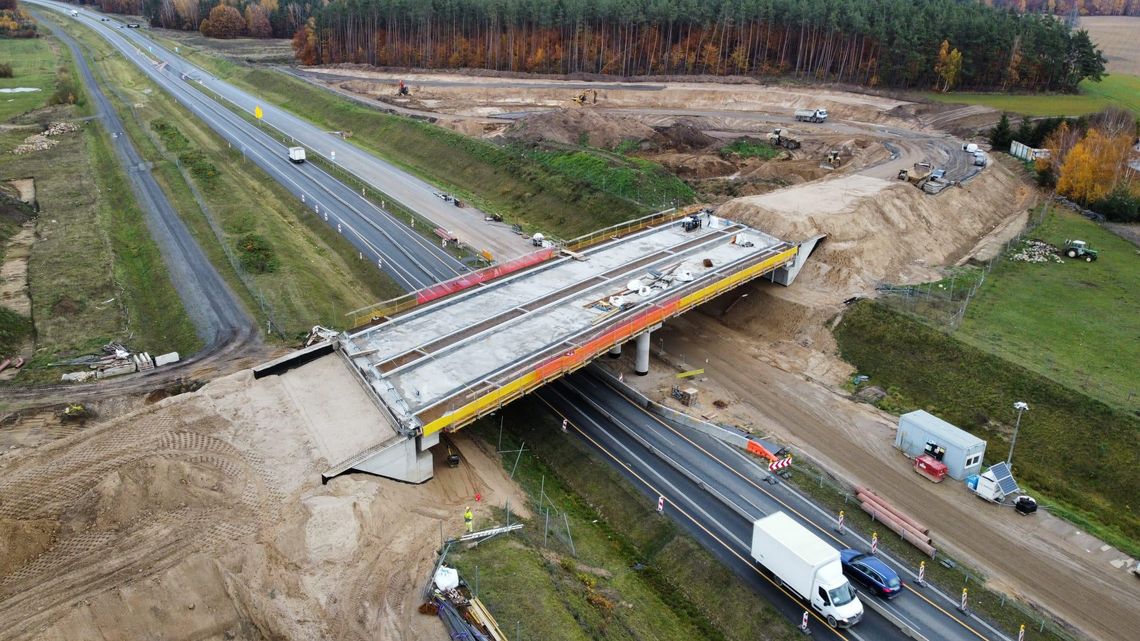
257	112
691	373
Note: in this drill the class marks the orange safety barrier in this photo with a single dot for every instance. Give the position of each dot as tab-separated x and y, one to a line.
466	281
759	450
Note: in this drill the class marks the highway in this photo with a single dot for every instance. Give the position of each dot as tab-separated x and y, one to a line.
715	492
409	190
411	260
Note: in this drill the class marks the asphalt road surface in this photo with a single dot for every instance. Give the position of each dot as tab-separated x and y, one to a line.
218	317
411	260
715	493
417	195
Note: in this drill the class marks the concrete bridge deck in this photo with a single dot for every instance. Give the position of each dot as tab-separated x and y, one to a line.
445	364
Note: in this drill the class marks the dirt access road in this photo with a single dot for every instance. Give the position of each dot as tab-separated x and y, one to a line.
772	357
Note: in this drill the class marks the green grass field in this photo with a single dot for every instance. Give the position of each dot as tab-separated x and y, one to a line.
1076	323
1073	450
1120	90
635	577
34	62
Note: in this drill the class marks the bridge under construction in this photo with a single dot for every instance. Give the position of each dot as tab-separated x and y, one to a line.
440	358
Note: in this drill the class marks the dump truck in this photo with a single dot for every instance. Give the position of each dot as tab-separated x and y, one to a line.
297	155
917	176
811	115
781	138
808	566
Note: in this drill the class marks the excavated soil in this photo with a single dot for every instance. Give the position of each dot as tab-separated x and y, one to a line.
203	516
578	126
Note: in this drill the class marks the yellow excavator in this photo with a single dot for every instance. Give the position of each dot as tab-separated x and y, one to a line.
580	99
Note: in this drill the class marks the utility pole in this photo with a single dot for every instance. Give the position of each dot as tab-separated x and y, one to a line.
1021	407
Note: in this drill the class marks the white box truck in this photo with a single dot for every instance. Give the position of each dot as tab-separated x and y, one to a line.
811	115
297	154
808	565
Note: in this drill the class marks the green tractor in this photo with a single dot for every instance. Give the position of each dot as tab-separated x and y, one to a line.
1079	249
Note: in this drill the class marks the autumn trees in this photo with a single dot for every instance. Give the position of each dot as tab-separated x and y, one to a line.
223	22
949	65
896	43
1090	164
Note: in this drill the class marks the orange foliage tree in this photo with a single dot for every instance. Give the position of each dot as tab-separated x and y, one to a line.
223	22
1094	166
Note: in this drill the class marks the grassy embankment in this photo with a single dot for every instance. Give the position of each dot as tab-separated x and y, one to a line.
569	193
34	64
94	273
1061	337
314	273
636	576
1115	90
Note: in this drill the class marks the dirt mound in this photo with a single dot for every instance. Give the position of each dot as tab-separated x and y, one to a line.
578	126
695	166
683	136
22	540
203	516
155	484
882	231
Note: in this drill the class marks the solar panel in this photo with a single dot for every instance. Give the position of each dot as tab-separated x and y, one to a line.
1004	478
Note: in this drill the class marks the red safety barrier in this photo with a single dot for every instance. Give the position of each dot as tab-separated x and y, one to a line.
483	275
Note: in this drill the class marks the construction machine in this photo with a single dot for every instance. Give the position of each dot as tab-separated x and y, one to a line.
74	412
833	161
1080	249
917	176
781	138
580	99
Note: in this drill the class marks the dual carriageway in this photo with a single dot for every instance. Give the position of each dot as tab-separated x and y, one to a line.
713	492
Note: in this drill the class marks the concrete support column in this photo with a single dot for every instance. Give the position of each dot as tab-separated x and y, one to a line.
615	351
641	363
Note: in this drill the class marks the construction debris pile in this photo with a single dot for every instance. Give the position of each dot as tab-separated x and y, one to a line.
115	360
42	141
1036	251
464	616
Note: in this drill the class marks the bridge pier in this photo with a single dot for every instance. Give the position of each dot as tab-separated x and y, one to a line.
615	351
641	362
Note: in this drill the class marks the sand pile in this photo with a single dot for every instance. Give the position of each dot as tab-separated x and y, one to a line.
878	231
577	126
203	516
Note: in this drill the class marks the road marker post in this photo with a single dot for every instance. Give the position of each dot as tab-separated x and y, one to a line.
839	527
1021	633
660	504
962	607
804	623
565	422
922	573
874	542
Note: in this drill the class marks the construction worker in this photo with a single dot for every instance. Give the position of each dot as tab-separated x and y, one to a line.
469	519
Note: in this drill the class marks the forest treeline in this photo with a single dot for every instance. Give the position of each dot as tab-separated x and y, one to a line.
891	43
1065	7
